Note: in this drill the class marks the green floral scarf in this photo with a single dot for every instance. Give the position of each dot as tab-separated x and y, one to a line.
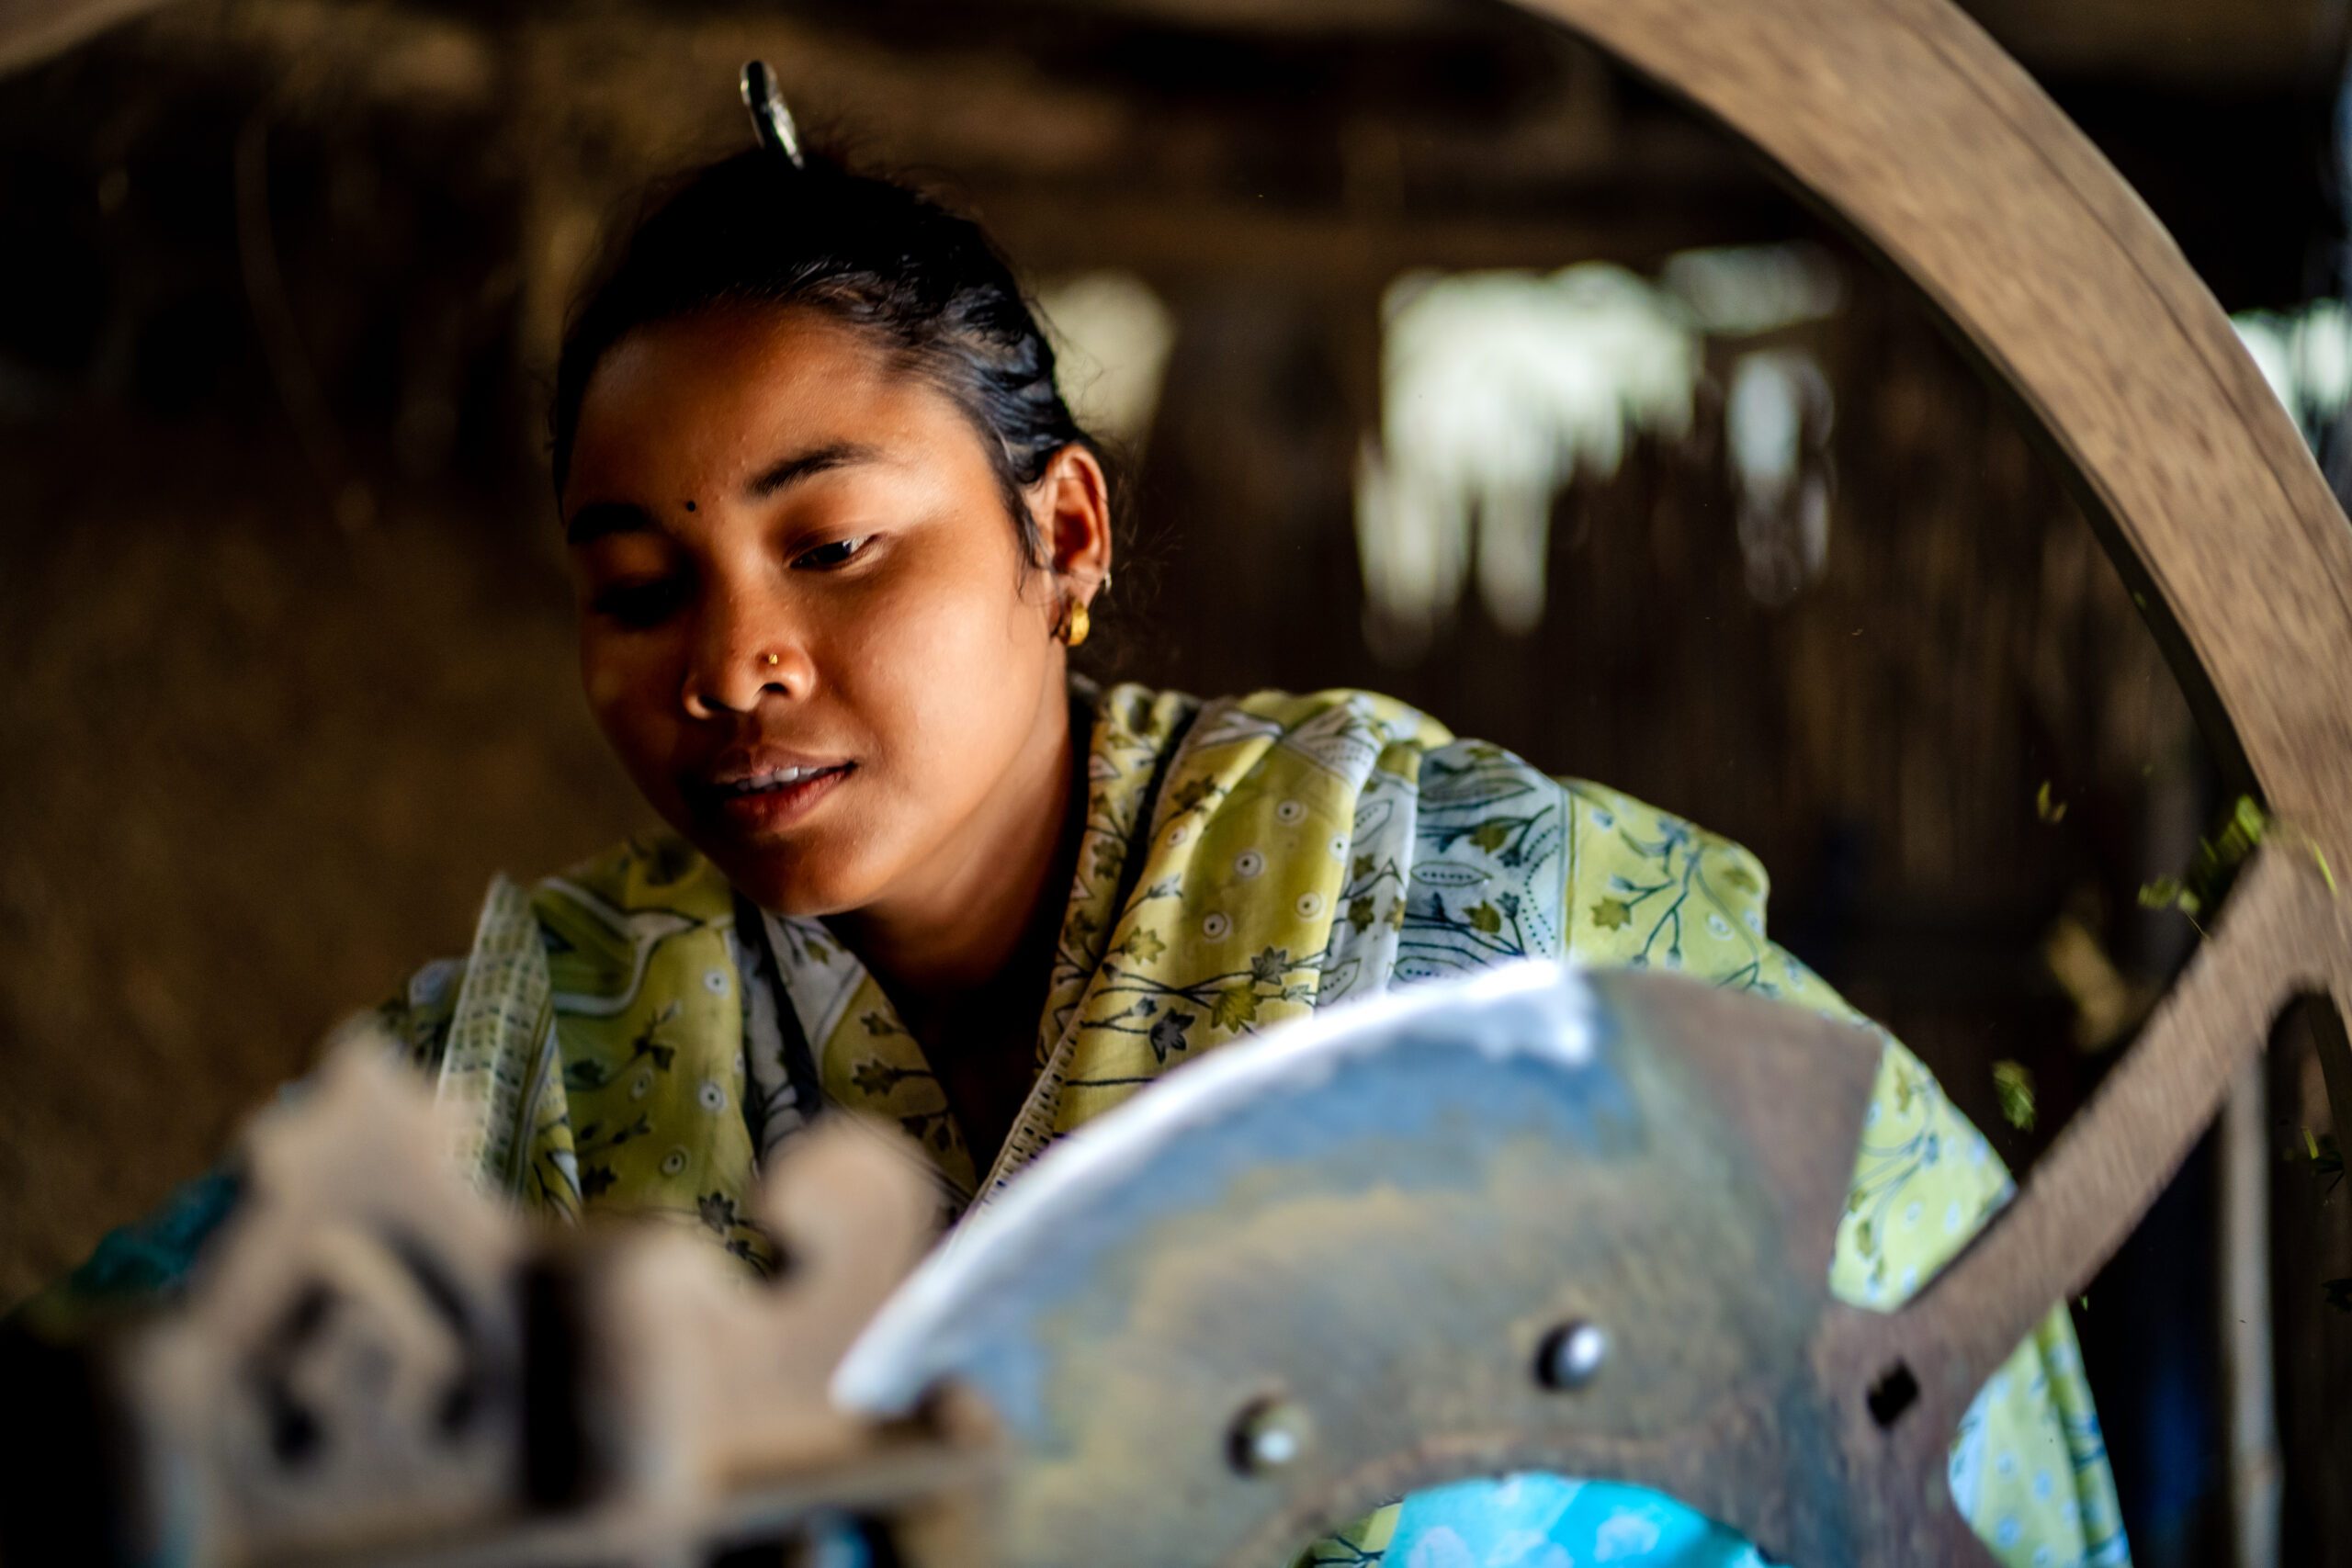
629	1037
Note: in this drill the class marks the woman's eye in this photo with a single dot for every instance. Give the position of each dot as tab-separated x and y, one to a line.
824	557
638	604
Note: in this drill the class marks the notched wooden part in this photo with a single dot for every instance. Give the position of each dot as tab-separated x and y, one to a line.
374	1363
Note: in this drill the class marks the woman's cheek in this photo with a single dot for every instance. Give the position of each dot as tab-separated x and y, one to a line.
977	681
622	696
606	685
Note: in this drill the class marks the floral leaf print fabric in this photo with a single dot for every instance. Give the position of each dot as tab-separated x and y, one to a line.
1644	888
629	1038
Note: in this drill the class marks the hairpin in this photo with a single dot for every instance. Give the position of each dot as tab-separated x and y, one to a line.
770	119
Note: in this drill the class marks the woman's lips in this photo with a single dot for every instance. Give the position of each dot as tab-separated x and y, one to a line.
772	799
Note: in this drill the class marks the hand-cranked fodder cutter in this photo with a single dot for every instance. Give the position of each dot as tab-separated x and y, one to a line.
1539	1222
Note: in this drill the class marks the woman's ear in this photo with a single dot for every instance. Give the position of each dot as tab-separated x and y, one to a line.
1071	502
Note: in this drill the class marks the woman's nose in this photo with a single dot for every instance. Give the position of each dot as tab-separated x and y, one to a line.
737	660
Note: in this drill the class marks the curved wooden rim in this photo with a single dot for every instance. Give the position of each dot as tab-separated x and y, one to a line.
1910	125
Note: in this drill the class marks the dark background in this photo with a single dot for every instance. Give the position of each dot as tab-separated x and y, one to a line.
284	639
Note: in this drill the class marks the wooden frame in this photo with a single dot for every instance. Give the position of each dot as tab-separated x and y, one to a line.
1912	128
1904	121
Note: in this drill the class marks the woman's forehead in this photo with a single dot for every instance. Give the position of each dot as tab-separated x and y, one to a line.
744	370
753	361
718	395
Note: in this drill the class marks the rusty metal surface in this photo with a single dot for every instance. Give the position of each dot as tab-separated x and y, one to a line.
1379	1220
1374	1225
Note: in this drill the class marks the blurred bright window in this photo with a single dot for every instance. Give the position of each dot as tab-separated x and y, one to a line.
1499	389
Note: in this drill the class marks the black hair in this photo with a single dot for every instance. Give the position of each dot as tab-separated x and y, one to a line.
757	229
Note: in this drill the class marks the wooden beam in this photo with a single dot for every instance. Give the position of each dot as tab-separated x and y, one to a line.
33	30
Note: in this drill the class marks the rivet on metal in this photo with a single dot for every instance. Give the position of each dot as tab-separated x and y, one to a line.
1267	1436
1571	1354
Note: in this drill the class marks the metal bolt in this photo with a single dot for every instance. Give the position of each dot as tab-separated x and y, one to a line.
1571	1355
1268	1435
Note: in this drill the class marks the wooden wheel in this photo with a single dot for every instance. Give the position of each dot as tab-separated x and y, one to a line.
1911	127
1906	122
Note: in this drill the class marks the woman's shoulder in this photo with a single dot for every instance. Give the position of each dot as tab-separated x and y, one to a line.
1151	713
590	925
1393	721
1465	765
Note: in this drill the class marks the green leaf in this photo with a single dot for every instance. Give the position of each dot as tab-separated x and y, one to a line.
1270	965
1739	876
1612	914
1360	913
874	1076
1485	918
1362	869
1236	1007
581	1076
2013	1085
1492	835
1192	793
1143	944
1171	1034
2243	831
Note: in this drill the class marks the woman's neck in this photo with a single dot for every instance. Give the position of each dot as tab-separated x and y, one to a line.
982	927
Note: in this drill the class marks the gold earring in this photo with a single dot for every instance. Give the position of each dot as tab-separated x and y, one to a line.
1076	624
773	659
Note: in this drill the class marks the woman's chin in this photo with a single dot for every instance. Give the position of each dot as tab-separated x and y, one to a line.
797	886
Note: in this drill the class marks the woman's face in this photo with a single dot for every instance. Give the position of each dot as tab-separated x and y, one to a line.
804	624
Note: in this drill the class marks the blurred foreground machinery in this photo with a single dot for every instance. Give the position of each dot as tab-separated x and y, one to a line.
1538	1220
1165	1345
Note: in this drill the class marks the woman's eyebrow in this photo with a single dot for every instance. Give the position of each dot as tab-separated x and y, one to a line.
600	518
604	517
802	465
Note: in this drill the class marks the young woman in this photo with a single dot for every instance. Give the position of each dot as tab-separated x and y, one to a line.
834	532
